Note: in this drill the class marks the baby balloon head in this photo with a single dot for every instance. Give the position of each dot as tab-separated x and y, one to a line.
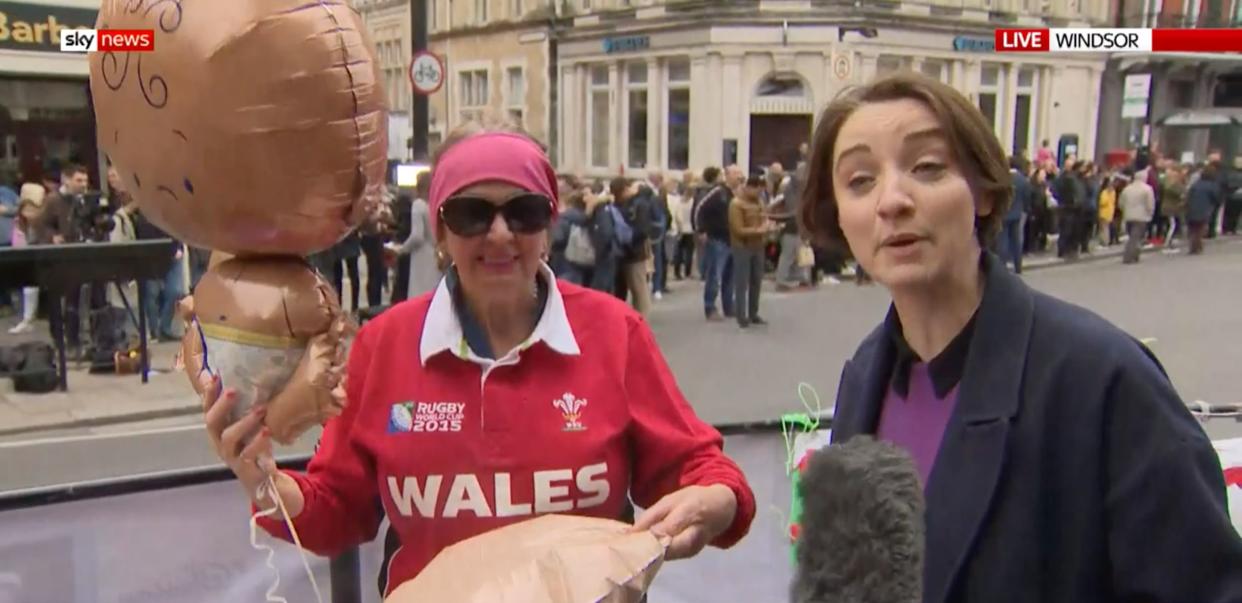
251	128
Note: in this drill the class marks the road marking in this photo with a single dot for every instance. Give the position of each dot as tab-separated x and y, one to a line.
102	436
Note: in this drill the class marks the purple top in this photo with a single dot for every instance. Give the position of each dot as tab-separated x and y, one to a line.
916	421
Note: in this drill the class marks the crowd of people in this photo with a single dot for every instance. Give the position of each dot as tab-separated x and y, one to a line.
1150	201
721	226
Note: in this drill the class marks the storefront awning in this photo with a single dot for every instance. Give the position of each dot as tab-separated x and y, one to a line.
1221	59
1202	118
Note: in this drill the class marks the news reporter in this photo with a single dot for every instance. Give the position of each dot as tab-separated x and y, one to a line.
1059	463
502	395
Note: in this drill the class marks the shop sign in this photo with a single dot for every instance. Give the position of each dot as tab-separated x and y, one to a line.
968	44
37	27
627	44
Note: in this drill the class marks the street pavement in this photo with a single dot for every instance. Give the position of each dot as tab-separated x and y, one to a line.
1186	307
1189	305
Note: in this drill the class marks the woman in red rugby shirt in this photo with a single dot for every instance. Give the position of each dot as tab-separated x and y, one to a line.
502	395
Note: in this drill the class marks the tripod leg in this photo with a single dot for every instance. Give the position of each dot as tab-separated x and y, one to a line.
142	329
120	291
57	298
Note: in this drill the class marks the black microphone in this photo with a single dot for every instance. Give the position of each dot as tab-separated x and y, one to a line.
862	537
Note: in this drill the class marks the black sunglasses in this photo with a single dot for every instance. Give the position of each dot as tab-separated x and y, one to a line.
525	213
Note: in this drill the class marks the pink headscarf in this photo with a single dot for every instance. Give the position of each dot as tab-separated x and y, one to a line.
491	156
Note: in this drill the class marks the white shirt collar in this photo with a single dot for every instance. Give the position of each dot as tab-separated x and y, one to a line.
442	330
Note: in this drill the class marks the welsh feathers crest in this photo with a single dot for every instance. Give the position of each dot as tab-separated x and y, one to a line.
571	410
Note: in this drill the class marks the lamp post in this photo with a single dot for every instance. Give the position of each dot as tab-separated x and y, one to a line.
419	103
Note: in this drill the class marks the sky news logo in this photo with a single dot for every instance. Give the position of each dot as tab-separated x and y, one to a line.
107	40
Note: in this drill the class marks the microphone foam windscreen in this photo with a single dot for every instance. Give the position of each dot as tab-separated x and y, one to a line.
862	538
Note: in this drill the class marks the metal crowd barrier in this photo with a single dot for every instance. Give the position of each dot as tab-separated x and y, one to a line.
181	535
145	531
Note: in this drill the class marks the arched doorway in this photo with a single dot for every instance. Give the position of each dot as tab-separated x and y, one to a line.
780	120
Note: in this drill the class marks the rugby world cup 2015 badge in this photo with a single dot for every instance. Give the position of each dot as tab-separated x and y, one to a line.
401	418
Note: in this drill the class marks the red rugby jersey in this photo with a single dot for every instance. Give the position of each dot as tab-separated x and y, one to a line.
586	413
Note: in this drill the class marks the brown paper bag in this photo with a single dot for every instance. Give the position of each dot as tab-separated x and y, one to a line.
550	559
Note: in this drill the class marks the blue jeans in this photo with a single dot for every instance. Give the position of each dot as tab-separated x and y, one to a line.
718	272
1011	243
659	280
162	297
604	277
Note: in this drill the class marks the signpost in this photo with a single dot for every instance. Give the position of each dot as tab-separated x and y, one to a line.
426	73
426	76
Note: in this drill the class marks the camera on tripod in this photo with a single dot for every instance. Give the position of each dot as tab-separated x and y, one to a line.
92	216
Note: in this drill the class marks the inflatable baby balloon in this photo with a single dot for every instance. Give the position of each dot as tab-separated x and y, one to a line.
252	128
257	129
276	335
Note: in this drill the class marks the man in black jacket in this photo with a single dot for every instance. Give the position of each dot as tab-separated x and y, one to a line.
711	224
1069	193
163	294
636	207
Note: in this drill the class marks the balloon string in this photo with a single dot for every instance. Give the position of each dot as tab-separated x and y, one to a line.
808	422
268	490
270	596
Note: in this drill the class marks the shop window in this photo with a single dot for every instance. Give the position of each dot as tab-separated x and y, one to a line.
679	71
44	124
989	94
601	116
887	64
636	114
933	69
1023	125
1026	77
515	94
990	75
677	149
473	97
987	106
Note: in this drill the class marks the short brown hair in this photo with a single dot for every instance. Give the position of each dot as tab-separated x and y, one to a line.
968	134
617	186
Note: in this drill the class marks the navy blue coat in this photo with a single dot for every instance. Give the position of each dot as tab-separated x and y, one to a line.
1021	197
1203	199
1070	470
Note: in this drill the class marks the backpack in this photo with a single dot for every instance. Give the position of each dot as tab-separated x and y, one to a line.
108	338
622	231
33	367
579	250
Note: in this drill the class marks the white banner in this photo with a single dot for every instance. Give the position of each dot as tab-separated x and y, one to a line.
191	545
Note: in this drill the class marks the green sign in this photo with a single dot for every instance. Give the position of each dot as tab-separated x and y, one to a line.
37	26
